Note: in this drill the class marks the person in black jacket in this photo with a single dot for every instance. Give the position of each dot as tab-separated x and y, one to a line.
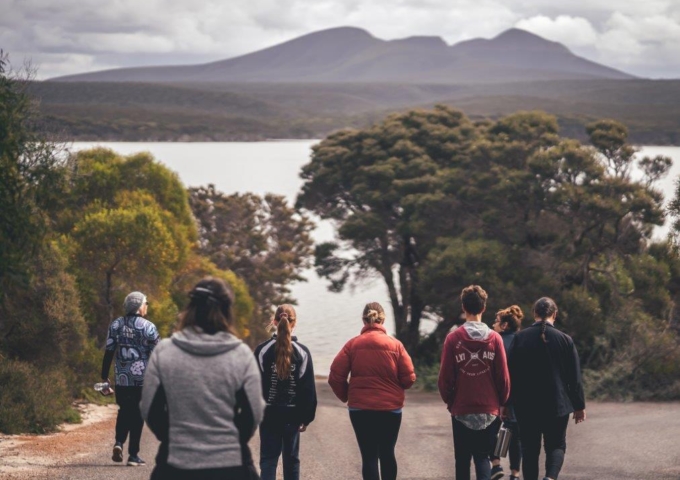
290	392
546	388
507	324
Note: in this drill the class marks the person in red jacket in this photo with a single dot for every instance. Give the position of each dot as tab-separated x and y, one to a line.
474	383
380	370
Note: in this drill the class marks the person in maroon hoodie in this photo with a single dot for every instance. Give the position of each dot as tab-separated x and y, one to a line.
380	371
474	383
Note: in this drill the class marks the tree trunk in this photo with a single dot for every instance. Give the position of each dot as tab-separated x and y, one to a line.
107	294
675	313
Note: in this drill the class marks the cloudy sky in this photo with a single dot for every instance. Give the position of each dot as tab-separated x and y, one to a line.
73	36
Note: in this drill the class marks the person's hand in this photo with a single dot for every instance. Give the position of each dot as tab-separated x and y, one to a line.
504	413
109	390
303	428
579	416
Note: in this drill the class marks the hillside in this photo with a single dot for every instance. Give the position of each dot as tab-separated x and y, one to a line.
353	55
257	111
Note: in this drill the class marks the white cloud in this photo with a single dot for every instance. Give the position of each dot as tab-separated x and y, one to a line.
573	31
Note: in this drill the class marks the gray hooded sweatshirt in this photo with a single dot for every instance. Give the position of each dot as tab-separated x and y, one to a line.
196	389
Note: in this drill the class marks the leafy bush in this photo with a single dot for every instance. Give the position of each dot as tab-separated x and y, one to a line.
426	377
32	400
645	369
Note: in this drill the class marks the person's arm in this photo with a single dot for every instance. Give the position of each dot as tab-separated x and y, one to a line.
447	371
154	405
152	337
575	384
307	391
509	360
109	352
249	407
406	372
340	369
501	373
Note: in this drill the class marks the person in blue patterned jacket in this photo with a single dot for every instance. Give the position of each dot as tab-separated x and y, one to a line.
131	339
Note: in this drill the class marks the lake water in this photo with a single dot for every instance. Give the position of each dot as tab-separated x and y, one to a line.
325	320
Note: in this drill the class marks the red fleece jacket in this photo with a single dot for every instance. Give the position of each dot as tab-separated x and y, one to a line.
473	377
380	369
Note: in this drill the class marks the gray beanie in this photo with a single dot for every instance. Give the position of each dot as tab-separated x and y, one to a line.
133	302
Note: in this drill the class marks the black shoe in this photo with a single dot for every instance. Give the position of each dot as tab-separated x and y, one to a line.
117	452
497	472
135	461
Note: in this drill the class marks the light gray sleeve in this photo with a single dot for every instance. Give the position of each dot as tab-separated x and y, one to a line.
152	381
252	386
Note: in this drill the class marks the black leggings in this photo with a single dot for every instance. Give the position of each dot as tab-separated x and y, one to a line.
553	430
377	434
129	418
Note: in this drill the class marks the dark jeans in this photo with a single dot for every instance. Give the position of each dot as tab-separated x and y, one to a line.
515	450
474	445
129	417
377	434
273	440
553	430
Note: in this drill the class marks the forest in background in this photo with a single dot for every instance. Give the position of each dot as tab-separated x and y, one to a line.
430	200
80	231
85	111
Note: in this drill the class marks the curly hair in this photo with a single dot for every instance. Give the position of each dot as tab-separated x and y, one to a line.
512	316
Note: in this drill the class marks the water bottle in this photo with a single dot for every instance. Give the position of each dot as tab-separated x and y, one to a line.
101	387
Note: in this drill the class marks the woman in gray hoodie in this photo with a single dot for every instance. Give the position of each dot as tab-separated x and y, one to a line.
202	394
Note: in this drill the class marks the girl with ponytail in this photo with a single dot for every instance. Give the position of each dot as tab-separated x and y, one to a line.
546	389
371	373
290	392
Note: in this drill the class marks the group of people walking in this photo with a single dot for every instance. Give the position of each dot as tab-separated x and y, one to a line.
203	392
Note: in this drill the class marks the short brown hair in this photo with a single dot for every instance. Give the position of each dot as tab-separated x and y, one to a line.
473	299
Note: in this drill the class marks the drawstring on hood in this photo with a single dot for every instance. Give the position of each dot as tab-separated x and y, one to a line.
196	342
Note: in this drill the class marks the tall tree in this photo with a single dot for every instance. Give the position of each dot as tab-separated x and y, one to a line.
30	179
261	239
432	202
127	226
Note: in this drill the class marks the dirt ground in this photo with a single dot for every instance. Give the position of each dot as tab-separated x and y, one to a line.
636	441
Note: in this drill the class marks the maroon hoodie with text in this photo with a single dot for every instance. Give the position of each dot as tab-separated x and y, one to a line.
473	377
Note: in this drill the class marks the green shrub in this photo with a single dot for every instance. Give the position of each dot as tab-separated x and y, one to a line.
426	377
32	400
646	369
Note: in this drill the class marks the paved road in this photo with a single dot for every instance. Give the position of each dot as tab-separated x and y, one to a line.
619	441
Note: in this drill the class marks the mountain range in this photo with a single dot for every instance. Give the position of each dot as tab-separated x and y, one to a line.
347	78
353	55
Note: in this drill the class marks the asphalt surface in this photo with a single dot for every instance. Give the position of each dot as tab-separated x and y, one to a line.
634	441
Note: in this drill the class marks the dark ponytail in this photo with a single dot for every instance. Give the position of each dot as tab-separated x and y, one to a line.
544	308
544	325
286	319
